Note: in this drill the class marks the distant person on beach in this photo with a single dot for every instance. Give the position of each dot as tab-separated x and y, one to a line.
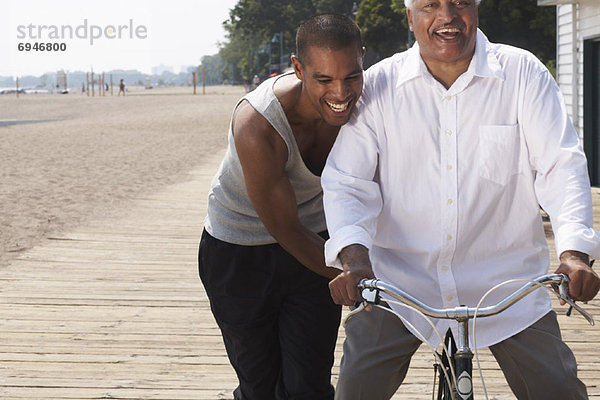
82	88
261	253
122	87
255	82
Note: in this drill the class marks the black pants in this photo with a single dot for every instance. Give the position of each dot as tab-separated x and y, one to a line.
277	318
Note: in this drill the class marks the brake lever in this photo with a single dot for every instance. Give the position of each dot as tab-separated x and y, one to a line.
563	293
581	311
360	305
369	296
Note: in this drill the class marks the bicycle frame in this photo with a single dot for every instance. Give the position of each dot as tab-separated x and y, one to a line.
371	288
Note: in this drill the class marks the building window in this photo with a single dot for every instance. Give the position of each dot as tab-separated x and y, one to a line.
591	107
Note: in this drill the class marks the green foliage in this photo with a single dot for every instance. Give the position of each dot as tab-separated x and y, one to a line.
384	28
521	23
251	28
551	65
215	70
334	6
251	46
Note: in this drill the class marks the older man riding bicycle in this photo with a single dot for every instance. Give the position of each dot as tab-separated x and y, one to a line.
435	187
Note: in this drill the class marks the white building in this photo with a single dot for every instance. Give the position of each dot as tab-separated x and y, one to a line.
578	70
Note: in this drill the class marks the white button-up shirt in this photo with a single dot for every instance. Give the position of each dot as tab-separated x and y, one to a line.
443	186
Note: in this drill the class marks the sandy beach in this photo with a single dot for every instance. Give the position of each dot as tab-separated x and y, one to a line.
68	158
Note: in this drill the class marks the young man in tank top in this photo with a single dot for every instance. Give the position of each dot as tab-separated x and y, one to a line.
261	254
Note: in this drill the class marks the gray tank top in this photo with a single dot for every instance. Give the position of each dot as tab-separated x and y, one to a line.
231	216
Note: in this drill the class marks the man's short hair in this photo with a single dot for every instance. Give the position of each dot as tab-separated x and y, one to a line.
409	3
329	31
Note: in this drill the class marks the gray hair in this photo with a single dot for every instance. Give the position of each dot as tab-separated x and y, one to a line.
409	3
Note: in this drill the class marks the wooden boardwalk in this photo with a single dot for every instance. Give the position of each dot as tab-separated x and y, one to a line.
115	310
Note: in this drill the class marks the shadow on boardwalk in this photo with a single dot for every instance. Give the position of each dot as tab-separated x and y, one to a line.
115	310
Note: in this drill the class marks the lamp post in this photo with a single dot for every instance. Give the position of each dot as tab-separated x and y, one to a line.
279	37
354	11
272	67
255	54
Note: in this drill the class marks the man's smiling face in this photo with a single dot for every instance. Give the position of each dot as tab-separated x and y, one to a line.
445	29
333	81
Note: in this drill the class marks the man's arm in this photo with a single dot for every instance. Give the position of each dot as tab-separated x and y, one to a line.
561	182
353	201
263	154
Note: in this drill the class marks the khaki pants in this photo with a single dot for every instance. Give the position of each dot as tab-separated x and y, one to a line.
536	362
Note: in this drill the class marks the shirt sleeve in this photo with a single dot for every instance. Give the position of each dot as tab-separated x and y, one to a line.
561	181
351	195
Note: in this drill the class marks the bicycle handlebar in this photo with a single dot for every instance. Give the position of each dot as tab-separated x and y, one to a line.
370	289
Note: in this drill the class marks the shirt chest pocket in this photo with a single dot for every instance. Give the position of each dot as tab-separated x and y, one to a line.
499	152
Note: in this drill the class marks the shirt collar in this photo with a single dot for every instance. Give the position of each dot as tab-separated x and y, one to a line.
484	62
413	66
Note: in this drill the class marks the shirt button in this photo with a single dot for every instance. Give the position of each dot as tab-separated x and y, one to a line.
448	132
450	201
449	237
444	268
449	167
449	298
448	98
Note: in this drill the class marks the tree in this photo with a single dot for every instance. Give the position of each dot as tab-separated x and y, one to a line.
214	67
44	80
334	6
252	25
384	28
521	23
251	29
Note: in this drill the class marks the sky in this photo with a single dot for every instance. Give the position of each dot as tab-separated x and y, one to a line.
108	34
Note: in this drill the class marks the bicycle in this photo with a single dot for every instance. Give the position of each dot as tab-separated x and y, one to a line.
454	366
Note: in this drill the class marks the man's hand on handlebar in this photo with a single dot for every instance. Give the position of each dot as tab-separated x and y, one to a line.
357	266
584	282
